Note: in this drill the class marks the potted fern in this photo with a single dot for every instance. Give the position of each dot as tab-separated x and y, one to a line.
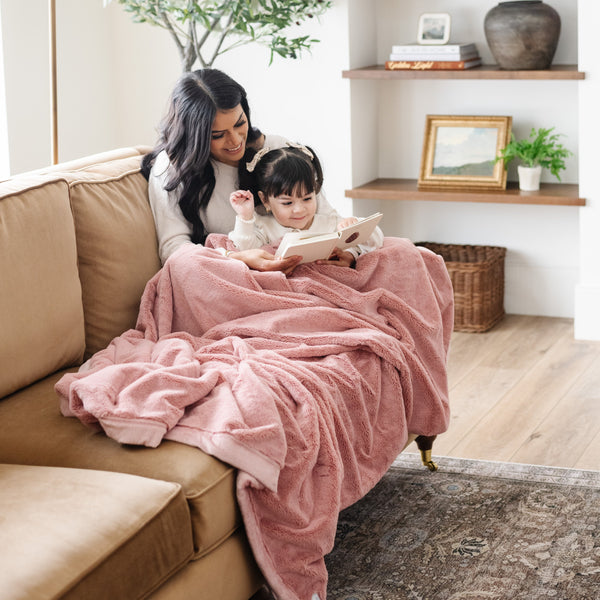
541	150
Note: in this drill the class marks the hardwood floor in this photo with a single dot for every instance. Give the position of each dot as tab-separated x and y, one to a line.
525	392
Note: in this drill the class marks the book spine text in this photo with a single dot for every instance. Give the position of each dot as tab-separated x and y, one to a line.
430	65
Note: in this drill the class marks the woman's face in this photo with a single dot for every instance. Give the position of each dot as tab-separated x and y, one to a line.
229	133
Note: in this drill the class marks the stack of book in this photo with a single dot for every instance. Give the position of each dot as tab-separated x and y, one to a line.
421	57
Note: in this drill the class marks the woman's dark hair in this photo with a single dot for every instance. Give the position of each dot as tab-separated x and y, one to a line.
286	170
185	134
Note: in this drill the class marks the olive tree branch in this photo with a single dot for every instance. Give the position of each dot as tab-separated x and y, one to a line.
226	31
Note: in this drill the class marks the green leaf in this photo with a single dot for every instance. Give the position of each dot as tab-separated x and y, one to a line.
265	21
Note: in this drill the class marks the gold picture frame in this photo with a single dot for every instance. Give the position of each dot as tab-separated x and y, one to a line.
459	152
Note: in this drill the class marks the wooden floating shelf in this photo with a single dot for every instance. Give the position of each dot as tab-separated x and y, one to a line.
552	194
555	72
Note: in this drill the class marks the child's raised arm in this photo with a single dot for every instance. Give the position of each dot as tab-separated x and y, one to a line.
242	202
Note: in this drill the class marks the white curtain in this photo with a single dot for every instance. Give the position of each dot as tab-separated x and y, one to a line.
4	157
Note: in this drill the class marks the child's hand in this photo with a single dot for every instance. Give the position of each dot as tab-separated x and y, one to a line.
242	202
339	258
347	222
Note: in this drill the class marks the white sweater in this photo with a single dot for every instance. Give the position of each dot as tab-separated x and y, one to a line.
173	229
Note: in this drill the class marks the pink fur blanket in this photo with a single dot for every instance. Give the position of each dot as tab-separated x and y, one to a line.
308	384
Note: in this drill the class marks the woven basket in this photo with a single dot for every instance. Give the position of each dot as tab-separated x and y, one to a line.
477	275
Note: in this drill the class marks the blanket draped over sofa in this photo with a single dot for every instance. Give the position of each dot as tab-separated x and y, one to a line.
311	403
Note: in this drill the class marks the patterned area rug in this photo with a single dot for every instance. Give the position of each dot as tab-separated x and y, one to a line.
472	530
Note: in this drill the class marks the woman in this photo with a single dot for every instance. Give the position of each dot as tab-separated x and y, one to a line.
192	170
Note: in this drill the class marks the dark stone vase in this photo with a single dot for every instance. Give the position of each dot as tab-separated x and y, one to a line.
522	34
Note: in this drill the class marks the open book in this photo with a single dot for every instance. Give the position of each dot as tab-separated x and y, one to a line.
314	246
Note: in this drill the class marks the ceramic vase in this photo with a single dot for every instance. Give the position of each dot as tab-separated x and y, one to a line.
522	35
529	178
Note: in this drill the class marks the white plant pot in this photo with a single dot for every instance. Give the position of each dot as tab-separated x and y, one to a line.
529	178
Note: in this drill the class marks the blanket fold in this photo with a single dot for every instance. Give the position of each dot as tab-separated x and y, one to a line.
308	384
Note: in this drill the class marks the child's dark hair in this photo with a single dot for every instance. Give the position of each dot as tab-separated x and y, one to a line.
286	170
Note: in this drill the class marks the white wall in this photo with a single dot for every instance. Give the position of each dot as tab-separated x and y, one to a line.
4	155
25	46
115	77
85	80
587	296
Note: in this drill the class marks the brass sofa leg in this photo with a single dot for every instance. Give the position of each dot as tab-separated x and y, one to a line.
425	444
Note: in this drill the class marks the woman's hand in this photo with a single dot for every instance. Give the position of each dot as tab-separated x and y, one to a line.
261	260
242	202
339	258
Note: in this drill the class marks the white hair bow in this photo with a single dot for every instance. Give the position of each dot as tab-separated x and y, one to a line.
302	148
252	164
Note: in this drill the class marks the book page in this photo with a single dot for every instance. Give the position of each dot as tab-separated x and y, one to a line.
358	233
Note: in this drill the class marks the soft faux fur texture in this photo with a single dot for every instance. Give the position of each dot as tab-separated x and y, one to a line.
308	384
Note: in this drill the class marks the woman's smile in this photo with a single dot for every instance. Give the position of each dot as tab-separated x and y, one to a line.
239	148
236	149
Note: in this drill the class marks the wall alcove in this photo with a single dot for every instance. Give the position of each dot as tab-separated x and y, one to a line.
541	230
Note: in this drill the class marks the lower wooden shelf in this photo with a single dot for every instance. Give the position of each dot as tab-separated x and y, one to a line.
556	194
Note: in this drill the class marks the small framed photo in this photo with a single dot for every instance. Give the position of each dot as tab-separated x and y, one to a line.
434	28
460	152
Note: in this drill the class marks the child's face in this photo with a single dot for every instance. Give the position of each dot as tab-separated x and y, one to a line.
296	210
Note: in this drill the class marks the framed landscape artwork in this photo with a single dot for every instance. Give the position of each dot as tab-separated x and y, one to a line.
460	152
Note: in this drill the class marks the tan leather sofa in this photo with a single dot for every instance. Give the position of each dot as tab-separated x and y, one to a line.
82	516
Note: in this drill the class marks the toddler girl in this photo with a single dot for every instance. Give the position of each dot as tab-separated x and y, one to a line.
286	182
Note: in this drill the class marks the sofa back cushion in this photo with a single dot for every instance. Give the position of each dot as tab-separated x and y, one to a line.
85	162
116	245
41	315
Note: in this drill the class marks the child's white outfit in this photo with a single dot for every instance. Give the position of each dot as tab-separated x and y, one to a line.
264	229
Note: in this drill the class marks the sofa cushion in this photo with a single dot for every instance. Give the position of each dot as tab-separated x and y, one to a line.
41	315
79	533
116	243
35	433
229	571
